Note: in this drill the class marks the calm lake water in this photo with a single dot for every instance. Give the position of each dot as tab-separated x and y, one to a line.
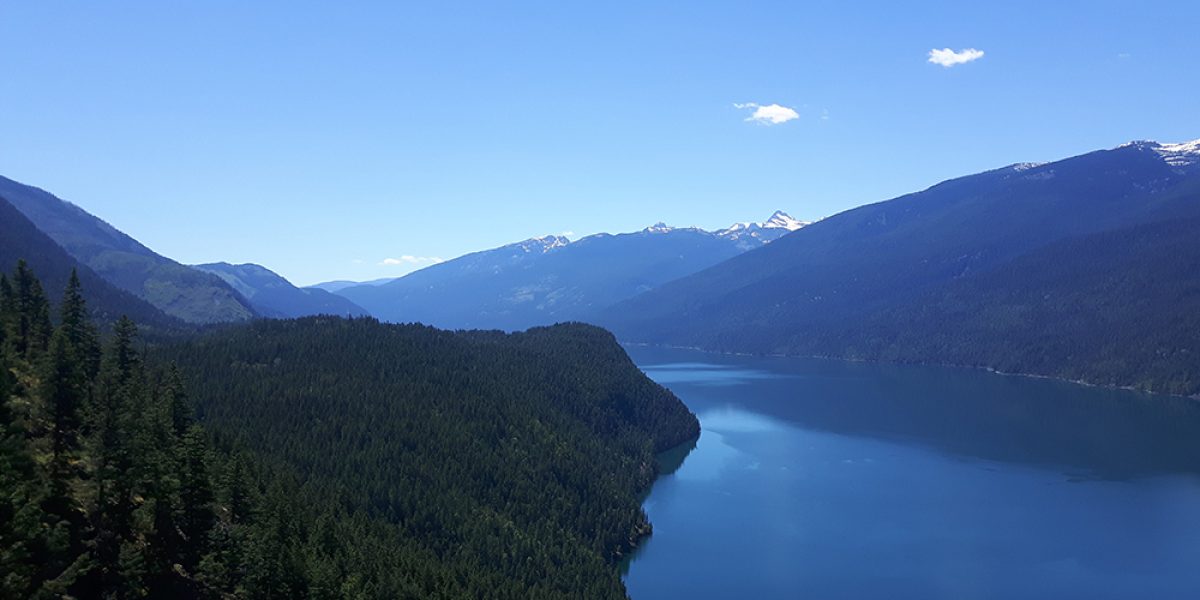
827	479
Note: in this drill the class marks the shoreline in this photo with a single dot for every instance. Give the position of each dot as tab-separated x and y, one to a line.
1081	382
625	559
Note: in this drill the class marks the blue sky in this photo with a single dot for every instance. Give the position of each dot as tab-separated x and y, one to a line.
320	139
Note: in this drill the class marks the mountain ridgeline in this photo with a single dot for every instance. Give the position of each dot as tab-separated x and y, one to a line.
177	290
552	279
20	239
1086	268
274	296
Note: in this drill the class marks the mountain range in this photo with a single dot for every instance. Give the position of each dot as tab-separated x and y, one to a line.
56	236
550	279
1084	268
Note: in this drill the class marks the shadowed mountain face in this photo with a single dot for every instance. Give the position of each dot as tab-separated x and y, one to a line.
1013	268
274	296
175	289
20	239
550	279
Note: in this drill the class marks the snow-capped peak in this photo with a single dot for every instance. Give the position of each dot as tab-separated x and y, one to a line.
783	220
749	235
659	227
1181	155
778	220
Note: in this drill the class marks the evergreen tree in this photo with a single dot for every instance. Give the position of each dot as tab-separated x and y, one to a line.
196	517
177	400
64	389
20	519
8	317
117	565
62	393
78	328
32	309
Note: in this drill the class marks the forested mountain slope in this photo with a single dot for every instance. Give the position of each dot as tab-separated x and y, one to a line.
177	290
273	296
20	239
480	464
1119	308
852	285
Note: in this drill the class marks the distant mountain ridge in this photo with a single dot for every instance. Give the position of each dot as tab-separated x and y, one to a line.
175	289
911	279
549	279
273	296
340	284
20	239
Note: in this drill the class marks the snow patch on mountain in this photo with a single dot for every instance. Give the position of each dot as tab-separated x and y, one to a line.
750	235
542	245
1183	155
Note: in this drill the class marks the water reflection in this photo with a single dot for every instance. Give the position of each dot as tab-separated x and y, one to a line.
826	479
1112	434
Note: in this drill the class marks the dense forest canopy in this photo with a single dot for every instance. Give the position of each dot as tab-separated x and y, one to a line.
338	458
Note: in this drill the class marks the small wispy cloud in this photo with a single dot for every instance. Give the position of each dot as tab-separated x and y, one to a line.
948	58
408	259
768	114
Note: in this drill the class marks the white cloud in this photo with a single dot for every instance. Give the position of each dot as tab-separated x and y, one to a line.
409	259
769	114
948	58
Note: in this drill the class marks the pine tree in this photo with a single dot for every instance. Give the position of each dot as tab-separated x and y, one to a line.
78	328
62	393
156	484
177	400
117	566
20	519
32	308
64	390
196	517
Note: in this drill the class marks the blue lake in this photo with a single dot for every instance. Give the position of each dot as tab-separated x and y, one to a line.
828	479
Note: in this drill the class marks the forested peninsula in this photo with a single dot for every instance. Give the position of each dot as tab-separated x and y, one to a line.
318	458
